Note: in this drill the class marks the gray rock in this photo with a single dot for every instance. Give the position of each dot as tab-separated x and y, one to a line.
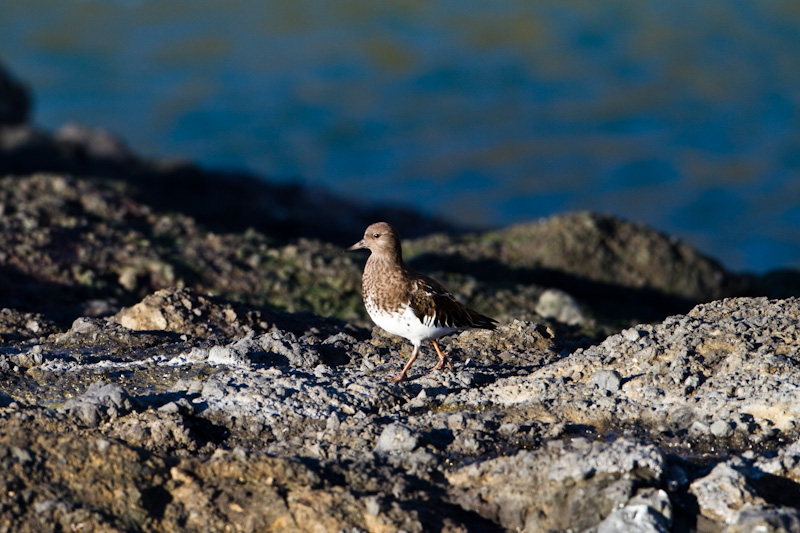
637	518
508	429
21	455
649	511
724	493
618	457
743	374
607	380
766	518
333	423
285	344
98	142
631	334
786	463
101	401
18	325
180	405
691	383
236	353
559	305
721	429
153	430
586	481
271	349
421	461
396	438
456	421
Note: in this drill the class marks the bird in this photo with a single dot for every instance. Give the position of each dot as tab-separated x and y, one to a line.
406	303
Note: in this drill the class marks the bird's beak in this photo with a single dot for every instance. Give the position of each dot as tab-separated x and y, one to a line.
357	246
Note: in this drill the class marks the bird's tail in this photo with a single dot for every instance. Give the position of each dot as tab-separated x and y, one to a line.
482	321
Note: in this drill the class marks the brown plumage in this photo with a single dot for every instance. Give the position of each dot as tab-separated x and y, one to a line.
409	304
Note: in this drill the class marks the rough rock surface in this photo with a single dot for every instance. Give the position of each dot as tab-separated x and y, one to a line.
166	367
274	429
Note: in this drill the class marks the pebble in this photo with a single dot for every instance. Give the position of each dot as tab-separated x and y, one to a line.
396	438
721	429
607	380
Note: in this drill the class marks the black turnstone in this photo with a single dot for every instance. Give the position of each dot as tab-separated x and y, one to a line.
407	303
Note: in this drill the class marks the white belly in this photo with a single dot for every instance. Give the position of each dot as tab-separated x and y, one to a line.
406	324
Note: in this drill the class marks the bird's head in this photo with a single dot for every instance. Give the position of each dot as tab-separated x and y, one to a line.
380	238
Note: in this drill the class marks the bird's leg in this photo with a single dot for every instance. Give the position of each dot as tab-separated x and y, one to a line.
402	375
443	360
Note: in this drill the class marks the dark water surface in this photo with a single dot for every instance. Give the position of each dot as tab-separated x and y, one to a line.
682	115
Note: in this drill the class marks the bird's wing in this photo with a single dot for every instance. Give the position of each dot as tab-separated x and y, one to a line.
435	306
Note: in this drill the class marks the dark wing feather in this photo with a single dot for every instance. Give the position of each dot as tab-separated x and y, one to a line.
429	298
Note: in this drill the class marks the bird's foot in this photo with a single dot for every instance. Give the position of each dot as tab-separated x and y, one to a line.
443	363
443	360
399	377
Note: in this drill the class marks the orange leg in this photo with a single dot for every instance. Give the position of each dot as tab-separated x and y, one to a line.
402	375
443	360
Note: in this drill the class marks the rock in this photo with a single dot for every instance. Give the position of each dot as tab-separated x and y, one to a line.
145	249
188	312
607	380
271	349
94	142
606	249
17	325
786	463
724	493
594	458
114	338
721	429
231	354
396	438
560	306
578	486
610	265
519	343
101	401
735	347
154	430
184	311
650	510
631	334
766	518
285	345
110	484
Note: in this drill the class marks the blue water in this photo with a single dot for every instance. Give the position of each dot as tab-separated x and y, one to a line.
681	115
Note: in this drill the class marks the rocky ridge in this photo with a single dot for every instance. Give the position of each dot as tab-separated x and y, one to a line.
689	423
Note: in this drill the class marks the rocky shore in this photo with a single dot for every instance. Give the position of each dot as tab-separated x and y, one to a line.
186	350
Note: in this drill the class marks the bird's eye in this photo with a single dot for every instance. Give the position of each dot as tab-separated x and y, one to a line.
376	235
